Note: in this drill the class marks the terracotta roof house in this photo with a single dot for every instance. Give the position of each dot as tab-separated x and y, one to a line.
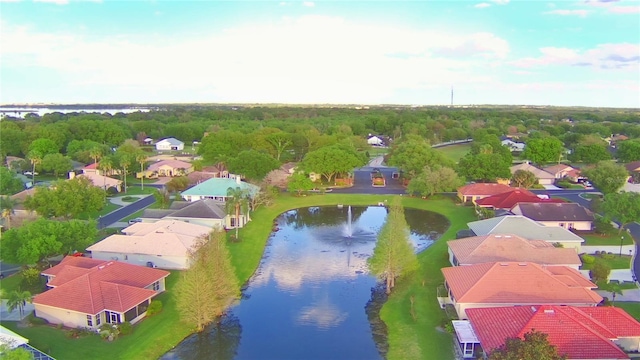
578	332
526	228
208	172
216	189
164	244
208	212
566	215
633	166
507	200
515	284
19	199
505	247
88	292
559	170
166	168
544	178
169	144
93	168
103	182
473	192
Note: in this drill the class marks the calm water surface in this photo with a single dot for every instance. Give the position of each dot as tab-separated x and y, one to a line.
307	299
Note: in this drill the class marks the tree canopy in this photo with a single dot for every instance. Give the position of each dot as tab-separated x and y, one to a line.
254	165
332	160
628	150
9	182
543	150
413	153
524	178
535	345
623	207
67	198
607	176
40	239
434	180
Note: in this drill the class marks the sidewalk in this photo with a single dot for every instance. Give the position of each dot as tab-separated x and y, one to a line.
627	295
14	315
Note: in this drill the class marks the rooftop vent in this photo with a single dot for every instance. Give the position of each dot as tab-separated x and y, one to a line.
549	311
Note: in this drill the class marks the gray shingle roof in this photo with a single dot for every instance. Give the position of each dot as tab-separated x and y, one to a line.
523	227
203	209
555	212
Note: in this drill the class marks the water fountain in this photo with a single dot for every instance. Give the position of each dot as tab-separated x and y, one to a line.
349	229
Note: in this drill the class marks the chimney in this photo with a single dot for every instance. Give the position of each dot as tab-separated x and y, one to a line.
72	175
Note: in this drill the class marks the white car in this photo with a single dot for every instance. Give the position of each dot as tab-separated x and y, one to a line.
29	173
133	221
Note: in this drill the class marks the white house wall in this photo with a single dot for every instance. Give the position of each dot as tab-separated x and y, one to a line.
65	317
159	261
577	225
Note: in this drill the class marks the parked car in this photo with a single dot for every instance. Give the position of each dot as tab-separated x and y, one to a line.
133	221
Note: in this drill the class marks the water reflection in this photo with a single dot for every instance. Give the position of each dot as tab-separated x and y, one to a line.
307	300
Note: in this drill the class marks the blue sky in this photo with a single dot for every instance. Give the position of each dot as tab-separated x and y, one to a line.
579	53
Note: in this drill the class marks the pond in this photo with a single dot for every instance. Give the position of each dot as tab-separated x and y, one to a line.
307	299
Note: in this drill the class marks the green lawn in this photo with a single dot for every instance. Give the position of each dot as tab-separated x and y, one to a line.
614	239
408	338
617	262
137	190
633	308
455	152
109	207
150	339
14	282
614	286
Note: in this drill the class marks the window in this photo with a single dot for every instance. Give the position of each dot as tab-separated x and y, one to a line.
156	286
98	319
233	222
89	320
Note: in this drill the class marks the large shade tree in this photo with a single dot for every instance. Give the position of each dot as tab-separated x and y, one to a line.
9	182
434	180
413	154
541	150
67	198
623	207
535	345
332	160
628	150
254	165
607	176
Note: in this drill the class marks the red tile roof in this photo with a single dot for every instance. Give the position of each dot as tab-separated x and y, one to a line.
506	247
484	189
519	283
507	200
91	166
107	285
573	330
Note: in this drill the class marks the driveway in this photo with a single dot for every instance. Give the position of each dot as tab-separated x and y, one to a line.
116	215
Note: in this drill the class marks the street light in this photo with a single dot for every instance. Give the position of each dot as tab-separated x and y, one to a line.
621	239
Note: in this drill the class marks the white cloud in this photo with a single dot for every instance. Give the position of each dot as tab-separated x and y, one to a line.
623	56
624	9
333	60
308	3
482	5
565	12
500	2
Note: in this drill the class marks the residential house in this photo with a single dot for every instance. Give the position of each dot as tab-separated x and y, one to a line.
544	178
208	172
103	182
86	292
216	188
148	141
164	244
207	212
375	141
514	146
168	168
514	284
476	191
633	167
570	216
562	171
529	229
169	144
93	168
509	248
578	332
280	177
19	199
507	200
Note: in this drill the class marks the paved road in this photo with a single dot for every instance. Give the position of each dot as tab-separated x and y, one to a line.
634	229
125	211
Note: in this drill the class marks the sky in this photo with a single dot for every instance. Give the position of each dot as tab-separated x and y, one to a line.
565	53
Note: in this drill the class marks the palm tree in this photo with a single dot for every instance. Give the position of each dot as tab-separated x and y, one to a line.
7	204
125	162
36	159
141	158
18	299
236	201
106	165
95	153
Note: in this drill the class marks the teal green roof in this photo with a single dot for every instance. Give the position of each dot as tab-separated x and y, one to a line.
218	187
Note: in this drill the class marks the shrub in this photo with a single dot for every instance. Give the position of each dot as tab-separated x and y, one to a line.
126	328
154	307
33	320
112	191
600	271
31	275
588	259
602	225
608	256
109	332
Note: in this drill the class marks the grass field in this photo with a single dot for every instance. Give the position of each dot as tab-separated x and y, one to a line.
616	262
109	207
613	239
455	152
